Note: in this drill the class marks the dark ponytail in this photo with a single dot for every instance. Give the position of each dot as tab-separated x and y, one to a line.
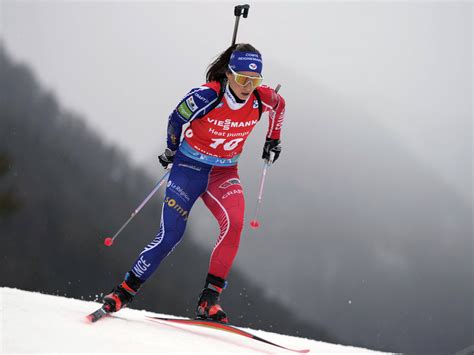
217	69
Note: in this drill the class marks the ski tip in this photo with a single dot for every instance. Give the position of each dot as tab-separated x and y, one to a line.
100	313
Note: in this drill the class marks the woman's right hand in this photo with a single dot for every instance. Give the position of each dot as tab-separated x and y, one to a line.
166	159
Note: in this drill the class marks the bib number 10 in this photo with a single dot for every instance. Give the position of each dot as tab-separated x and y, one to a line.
230	145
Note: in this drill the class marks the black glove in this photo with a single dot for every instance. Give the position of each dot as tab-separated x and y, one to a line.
271	150
166	158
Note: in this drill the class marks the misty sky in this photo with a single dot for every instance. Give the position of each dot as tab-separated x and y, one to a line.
125	65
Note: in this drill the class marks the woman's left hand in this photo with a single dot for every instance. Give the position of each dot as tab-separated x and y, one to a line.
271	150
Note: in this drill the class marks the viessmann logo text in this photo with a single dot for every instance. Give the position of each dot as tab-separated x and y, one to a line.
228	124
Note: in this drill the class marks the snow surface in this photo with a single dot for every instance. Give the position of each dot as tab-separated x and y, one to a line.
31	322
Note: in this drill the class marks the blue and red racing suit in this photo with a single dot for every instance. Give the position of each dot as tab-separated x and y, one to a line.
205	165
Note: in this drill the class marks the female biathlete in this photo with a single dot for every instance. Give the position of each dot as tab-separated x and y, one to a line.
221	114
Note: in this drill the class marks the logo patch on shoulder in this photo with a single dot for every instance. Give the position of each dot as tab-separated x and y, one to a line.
191	104
255	103
184	111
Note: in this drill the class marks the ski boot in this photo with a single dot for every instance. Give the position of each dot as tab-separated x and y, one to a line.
208	305
122	294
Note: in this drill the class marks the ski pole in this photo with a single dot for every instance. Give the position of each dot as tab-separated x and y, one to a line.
110	240
254	223
239	10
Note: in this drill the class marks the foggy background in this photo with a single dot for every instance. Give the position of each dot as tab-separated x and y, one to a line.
367	216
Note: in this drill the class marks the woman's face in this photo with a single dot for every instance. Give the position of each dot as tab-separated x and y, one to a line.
242	92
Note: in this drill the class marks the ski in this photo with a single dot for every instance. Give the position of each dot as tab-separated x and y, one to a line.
224	327
100	313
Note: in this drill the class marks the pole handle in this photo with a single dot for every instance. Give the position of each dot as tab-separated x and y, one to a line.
239	10
242	10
